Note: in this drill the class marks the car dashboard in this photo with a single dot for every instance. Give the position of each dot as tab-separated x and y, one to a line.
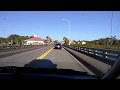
26	76
27	73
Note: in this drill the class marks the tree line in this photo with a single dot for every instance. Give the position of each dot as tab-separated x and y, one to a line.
15	39
107	43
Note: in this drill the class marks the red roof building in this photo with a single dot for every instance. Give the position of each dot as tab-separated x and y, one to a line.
34	41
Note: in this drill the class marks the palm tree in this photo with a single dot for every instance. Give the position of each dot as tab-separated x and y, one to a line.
48	39
65	40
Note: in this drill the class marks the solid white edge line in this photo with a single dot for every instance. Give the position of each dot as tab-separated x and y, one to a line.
88	70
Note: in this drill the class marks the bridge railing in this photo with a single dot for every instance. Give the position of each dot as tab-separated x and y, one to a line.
16	47
105	54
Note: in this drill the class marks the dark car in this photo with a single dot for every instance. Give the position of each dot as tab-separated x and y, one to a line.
58	46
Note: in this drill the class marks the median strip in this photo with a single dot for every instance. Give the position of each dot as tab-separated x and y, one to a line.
45	54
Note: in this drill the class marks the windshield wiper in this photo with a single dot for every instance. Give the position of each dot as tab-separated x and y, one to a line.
30	70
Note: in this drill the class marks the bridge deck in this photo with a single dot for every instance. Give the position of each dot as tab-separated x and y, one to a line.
100	66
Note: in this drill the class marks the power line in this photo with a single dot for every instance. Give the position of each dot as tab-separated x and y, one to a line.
111	24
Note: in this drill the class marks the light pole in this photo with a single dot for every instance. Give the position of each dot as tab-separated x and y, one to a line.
68	29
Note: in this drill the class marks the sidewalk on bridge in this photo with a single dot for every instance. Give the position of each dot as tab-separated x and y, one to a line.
103	67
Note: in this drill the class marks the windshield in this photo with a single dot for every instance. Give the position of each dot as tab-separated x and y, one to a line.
90	40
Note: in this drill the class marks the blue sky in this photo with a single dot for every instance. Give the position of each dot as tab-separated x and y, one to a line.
84	25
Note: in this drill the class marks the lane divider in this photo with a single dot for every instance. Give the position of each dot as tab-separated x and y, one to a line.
45	54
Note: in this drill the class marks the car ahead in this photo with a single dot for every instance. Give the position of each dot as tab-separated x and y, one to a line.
58	46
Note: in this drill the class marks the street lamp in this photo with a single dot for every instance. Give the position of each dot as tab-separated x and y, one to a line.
68	29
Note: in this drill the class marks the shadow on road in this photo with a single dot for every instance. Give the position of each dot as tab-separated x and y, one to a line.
43	63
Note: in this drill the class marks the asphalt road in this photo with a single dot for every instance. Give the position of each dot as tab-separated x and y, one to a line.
17	51
54	58
63	60
23	58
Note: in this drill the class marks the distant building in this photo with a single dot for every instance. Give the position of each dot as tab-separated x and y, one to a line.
62	42
83	42
34	41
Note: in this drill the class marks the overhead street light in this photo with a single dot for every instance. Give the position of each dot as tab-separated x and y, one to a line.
68	29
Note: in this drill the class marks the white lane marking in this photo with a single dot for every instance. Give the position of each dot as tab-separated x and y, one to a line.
88	70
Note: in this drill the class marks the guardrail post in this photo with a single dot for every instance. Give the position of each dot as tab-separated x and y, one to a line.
85	50
79	48
88	50
105	54
95	52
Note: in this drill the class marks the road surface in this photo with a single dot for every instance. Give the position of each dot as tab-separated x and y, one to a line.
46	56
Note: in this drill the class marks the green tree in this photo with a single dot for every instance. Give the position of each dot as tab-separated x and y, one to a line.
55	41
65	40
48	39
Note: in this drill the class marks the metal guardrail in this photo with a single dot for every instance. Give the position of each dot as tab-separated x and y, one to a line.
11	48
102	53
